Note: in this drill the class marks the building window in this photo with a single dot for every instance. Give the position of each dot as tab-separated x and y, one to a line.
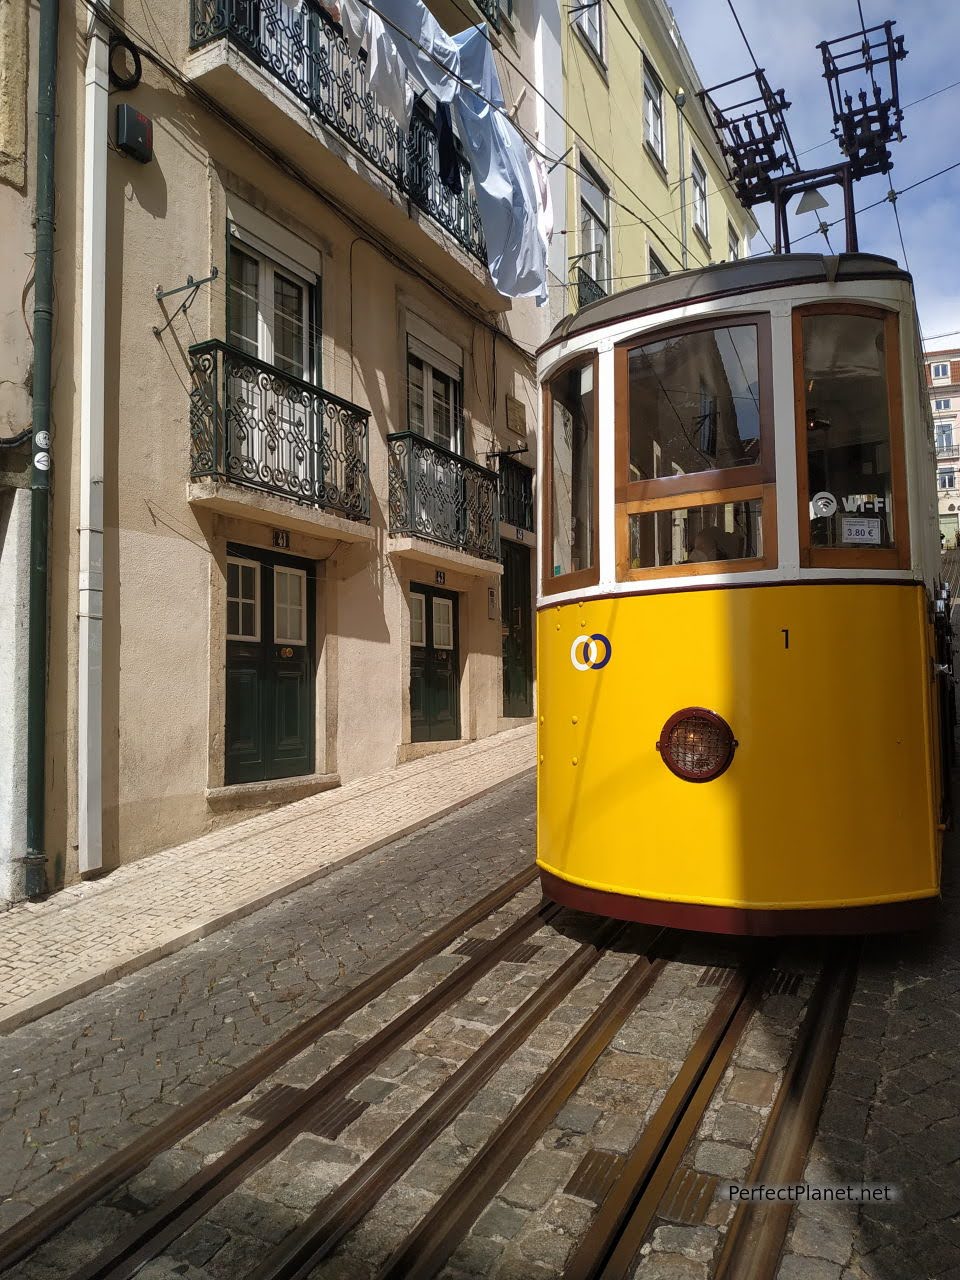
657	269
699	177
289	605
243	599
269	311
506	10
418	623
948	479
733	243
442	623
594	235
942	404
435	393
653	114
940	371
589	22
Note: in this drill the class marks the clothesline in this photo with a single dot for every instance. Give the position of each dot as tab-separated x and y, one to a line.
409	53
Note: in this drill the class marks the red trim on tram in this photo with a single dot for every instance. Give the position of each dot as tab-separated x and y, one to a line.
880	917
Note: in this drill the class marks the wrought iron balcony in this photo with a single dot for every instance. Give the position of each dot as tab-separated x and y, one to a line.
491	11
438	495
945	450
516	494
252	425
304	50
587	288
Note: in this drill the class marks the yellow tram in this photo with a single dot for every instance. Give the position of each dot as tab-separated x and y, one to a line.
742	637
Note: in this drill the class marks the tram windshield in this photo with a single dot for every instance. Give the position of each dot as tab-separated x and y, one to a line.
847	421
694	403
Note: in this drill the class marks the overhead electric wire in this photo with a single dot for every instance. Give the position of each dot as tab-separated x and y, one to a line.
886	199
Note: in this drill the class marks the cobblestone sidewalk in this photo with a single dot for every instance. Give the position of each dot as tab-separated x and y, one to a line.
92	933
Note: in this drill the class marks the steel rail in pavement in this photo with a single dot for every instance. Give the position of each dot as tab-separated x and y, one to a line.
434	1239
317	1237
643	1183
152	1231
29	1233
755	1238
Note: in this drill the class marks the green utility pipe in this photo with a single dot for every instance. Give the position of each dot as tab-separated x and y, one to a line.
34	868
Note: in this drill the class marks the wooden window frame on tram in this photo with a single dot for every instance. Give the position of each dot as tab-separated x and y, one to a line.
552	584
699	488
897	556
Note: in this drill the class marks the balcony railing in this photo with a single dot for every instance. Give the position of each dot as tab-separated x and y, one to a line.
306	52
438	495
491	11
587	288
944	449
252	425
516	494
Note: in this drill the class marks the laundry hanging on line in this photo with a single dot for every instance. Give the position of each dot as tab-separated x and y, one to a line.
505	190
541	186
447	154
430	56
386	73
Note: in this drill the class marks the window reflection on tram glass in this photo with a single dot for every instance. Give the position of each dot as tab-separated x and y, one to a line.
690	535
848	431
573	408
694	403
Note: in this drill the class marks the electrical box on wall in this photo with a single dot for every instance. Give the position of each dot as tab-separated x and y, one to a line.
134	133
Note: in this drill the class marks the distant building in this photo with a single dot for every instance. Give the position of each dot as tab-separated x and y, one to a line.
943	381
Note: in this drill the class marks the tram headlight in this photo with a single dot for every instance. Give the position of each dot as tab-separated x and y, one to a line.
697	745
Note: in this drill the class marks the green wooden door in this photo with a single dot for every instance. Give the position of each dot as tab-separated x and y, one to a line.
517	630
434	665
271	643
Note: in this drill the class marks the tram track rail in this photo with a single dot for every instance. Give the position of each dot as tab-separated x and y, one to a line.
24	1237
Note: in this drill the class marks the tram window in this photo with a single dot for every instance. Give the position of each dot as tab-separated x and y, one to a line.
696	397
846	421
692	535
572	476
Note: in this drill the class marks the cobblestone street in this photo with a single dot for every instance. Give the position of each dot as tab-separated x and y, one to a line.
86	1079
522	1066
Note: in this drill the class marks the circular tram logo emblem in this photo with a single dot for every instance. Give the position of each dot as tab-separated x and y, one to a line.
590	653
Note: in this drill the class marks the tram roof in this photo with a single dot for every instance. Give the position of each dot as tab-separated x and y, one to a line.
743	276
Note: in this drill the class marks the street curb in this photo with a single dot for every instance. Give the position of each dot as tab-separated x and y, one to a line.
23	1012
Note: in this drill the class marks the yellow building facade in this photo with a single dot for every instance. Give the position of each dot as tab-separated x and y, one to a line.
646	189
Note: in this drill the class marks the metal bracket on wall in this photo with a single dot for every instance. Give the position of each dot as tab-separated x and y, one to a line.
193	286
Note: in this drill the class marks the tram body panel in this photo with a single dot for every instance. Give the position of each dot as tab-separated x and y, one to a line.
831	795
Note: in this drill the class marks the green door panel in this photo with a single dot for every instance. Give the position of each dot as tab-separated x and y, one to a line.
270	714
516	610
435	676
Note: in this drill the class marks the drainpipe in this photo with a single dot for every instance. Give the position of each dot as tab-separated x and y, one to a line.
680	100
93	336
34	870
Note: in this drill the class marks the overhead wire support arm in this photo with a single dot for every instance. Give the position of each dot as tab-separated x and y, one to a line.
193	286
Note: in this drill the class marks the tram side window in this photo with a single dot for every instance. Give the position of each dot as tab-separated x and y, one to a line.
846	421
694	534
694	403
572	401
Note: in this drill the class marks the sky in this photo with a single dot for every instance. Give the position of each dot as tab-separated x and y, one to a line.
784	37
